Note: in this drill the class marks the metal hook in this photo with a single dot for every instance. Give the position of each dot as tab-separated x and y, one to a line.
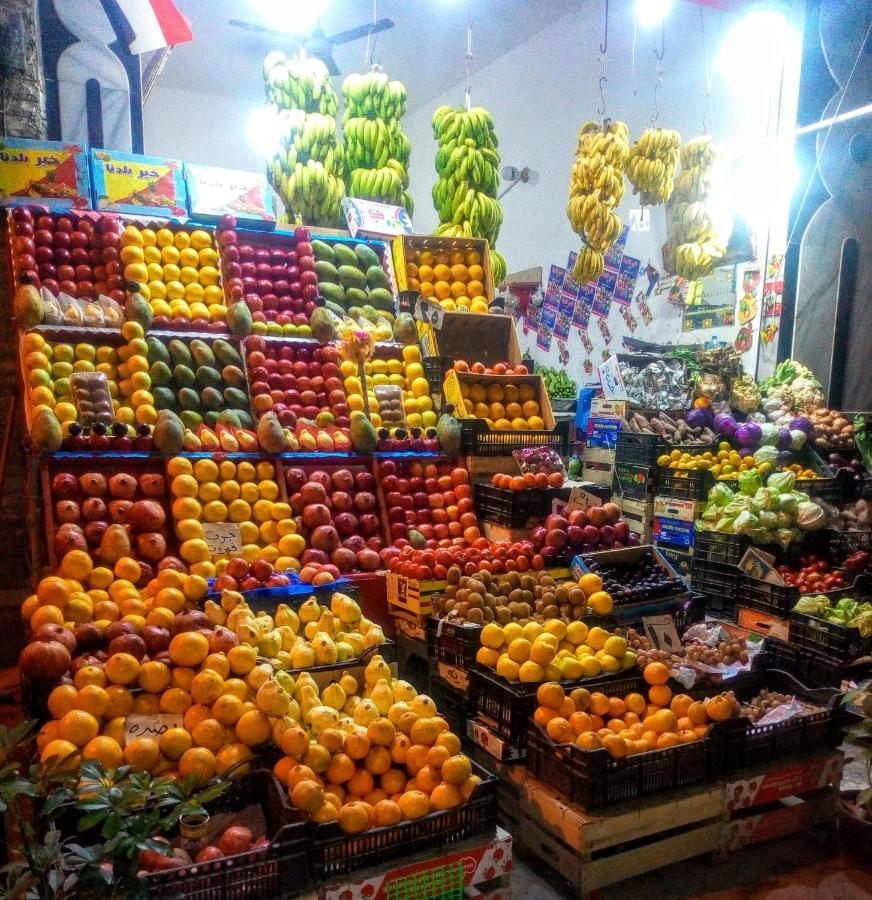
708	75
604	45
662	42
603	80
370	44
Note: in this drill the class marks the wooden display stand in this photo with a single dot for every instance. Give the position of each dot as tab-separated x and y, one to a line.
480	867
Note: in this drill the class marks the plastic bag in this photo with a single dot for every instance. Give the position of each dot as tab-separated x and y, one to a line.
536	460
91	397
390	405
51	310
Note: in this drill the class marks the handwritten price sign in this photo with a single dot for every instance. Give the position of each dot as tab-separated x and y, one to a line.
222	538
430	313
153	726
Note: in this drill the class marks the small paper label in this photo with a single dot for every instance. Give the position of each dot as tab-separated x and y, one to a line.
660	630
222	538
153	726
430	313
579	498
611	380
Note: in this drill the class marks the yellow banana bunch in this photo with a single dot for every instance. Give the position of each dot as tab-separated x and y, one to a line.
465	193
651	165
693	248
376	150
596	186
307	169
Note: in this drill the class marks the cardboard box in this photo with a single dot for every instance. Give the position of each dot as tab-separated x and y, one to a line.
406	247
677	508
410	595
763	624
499	748
790	816
488	338
634	482
367	218
792	778
603	432
53	174
214	192
597	465
608	409
627	555
463	408
674	532
639	514
760	566
681	560
138	185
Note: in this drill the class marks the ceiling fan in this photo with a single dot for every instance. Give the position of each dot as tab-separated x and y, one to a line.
317	44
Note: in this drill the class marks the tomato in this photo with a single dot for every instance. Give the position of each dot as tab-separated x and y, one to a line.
805	589
821	567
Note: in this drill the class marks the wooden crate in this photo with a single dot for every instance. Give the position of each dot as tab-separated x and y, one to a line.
482	468
752	620
406	245
594	851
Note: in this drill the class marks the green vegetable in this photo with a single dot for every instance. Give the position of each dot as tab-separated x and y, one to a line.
557	383
863	440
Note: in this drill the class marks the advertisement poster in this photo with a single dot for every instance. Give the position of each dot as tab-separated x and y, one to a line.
581	314
561	326
555	286
626	283
545	331
605	287
616	251
531	314
568	299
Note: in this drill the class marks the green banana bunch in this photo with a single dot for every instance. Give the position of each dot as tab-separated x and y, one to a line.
596	187
376	150
308	167
465	193
557	383
693	248
651	165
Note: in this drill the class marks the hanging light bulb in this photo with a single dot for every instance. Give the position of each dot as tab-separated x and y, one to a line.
652	12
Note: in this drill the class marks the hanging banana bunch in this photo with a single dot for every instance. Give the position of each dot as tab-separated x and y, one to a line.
376	150
307	169
465	193
596	186
694	247
651	165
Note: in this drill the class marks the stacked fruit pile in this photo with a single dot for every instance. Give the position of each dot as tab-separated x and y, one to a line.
352	276
177	272
277	281
651	165
122	515
339	517
552	651
436	558
596	187
307	169
467	163
376	150
197	380
428	502
628	725
454	278
694	246
582	531
505	407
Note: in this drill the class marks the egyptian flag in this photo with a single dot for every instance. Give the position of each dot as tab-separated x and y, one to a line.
153	24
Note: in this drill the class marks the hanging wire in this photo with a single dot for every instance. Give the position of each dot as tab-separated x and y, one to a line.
468	61
604	46
370	43
708	75
657	84
633	55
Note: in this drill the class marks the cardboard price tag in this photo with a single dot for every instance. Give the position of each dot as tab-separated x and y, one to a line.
153	726
579	498
611	380
222	538
660	630
429	313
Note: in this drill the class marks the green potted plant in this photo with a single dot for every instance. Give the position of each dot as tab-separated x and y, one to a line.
855	808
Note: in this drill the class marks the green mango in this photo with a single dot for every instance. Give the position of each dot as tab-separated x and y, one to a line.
211	398
381	298
236	399
230	418
157	351
189	399
180	353
355	297
326	271
208	377
164	398
233	376
191	419
345	256
183	377
226	353
202	353
366	256
334	293
210	418
351	277
376	277
323	252
245	420
161	374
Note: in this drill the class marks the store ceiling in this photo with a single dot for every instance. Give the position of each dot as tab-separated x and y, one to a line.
425	49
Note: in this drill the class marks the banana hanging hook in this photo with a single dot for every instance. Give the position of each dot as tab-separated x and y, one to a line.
659	55
604	44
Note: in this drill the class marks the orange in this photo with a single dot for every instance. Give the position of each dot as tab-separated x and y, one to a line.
78	727
393	781
93	699
227	709
357	745
445	796
616	725
664	721
207	686
656	673
154	676
232	759
354	817
294	741
427	779
719	708
145	704
450	741
599	703
550	695
122	668
341	769
64	754
617	707
253	728
143	754
660	694
560	730
209	733
635	703
400	747
697	714
414	804
590	583
615	745
688	735
680	704
386	812
360	783
436	756
378	760
174	742
579	722
189	648
89	675
297	774
105	750
175	700
668	739
61	700
197	761
589	740
456	769
425	731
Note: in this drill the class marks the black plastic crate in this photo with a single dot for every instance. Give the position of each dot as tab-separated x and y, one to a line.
592	778
810	733
713	546
837	546
476	439
335	853
512	509
509	706
686	484
435	368
718	582
643	449
828	487
774	599
836	642
451	702
633	481
278	870
452	643
805	665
